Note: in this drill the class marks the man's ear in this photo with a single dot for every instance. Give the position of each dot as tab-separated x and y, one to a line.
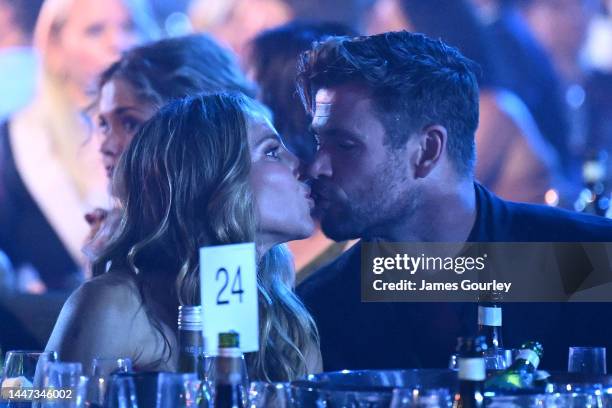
432	143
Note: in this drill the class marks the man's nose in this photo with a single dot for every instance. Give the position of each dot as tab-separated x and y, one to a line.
321	166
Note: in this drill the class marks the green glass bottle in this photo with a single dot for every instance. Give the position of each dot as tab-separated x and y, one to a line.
228	389
520	375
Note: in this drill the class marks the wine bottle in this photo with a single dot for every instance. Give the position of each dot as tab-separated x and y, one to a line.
470	393
520	375
229	392
190	339
490	321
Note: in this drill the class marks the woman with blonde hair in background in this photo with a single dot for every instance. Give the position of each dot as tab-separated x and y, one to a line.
205	170
50	174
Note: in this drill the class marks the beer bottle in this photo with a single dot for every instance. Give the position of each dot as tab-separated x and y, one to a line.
520	375
490	321
229	392
470	393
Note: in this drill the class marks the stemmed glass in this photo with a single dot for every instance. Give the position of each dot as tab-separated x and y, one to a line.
65	382
416	398
179	390
273	395
22	370
102	370
122	393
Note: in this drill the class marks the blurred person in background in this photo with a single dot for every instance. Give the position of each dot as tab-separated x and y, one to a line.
528	71
205	170
50	173
562	26
512	158
351	13
18	60
272	62
235	22
136	86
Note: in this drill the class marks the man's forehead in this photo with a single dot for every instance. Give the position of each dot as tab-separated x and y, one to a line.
340	94
341	100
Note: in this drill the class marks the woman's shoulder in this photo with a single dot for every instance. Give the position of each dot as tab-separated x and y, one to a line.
112	290
103	317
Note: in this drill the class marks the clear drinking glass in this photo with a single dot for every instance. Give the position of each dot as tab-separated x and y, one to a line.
101	371
587	360
416	398
65	382
273	395
121	393
178	390
22	369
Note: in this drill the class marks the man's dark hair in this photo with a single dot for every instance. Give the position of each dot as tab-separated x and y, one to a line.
414	82
25	13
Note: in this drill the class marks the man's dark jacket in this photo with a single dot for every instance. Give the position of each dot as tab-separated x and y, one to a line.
357	335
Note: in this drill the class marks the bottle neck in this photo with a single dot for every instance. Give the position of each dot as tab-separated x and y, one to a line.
527	360
228	366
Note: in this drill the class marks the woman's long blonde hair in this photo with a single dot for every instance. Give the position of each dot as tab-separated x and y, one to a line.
183	183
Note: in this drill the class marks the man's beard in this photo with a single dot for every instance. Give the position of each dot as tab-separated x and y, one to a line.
344	220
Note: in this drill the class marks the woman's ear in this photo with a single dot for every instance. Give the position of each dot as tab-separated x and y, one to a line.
432	142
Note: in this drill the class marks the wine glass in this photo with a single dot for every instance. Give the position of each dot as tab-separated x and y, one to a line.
273	395
121	393
416	398
179	390
64	384
22	369
101	371
587	360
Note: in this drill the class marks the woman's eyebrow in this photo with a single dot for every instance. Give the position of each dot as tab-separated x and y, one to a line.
266	137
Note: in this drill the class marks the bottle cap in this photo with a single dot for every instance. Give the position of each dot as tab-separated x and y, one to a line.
229	340
190	318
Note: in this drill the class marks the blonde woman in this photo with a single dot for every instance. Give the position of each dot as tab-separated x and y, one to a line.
49	176
206	170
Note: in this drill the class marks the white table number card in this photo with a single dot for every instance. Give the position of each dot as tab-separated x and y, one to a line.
228	278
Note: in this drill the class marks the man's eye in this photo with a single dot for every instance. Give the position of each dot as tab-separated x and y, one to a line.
347	145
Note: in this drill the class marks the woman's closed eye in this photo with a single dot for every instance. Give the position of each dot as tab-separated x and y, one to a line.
273	151
346	144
